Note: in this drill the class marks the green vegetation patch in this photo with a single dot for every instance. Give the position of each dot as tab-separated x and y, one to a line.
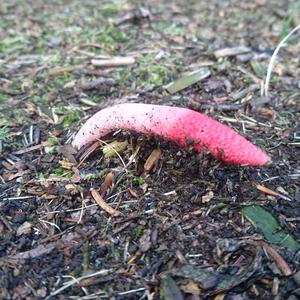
3	98
270	228
110	9
146	71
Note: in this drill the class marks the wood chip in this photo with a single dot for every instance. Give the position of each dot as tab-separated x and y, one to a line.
93	281
207	197
35	252
188	216
187	80
100	201
278	259
11	176
133	193
7	165
231	51
122	227
271	192
266	190
98	83
107	183
88	102
61	70
114	62
236	95
191	288
66	164
170	289
266	112
145	241
24	228
32	148
152	160
87	152
219	296
68	152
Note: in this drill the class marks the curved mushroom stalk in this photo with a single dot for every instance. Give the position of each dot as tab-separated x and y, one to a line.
180	125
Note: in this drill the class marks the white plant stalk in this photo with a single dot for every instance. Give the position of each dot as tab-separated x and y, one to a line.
273	58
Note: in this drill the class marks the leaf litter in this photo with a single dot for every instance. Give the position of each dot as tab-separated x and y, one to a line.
181	231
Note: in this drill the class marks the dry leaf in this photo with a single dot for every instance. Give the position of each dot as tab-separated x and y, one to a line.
152	160
24	228
191	288
107	183
100	201
207	197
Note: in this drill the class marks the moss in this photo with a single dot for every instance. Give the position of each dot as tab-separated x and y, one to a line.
39	99
111	35
146	71
56	59
62	79
138	180
152	74
9	117
3	98
110	9
52	141
247	81
69	118
3	133
57	172
138	231
40	176
118	35
10	45
169	28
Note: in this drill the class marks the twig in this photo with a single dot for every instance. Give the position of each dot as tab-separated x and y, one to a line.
220	53
50	223
97	295
77	280
68	69
83	206
18	198
113	62
32	148
6	223
296	175
132	291
271	192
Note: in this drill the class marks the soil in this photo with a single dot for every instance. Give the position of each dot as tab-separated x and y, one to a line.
116	224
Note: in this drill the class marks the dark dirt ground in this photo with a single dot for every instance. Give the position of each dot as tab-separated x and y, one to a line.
179	232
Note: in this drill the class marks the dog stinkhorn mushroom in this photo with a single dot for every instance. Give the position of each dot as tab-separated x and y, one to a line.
180	125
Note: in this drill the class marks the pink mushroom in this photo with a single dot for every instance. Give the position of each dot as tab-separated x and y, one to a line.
180	125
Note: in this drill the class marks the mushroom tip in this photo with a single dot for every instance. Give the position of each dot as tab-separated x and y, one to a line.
269	162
